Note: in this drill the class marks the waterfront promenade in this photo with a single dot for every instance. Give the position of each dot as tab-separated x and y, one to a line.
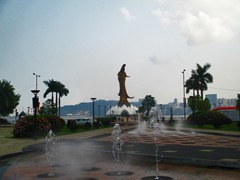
182	154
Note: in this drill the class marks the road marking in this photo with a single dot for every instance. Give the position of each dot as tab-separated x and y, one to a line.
206	150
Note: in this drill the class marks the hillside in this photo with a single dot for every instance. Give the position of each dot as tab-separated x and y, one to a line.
87	107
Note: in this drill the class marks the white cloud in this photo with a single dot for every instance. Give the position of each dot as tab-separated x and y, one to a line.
162	15
202	21
156	61
202	28
127	15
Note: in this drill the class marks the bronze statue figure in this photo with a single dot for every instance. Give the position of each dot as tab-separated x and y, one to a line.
123	92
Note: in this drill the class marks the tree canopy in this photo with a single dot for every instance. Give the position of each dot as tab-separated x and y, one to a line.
197	104
46	108
8	99
59	89
199	79
146	105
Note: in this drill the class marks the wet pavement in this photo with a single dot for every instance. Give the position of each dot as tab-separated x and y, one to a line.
181	155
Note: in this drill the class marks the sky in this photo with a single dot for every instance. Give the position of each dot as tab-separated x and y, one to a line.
83	44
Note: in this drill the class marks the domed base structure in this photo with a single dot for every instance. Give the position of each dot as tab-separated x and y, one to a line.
123	111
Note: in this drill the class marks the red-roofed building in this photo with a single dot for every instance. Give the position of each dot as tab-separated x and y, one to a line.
229	111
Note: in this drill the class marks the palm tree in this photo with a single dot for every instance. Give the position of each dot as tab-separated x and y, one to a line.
59	89
203	77
190	84
62	91
52	86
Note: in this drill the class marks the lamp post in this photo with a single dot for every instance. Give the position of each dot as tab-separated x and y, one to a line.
110	111
35	104
105	111
184	98
16	116
36	78
93	99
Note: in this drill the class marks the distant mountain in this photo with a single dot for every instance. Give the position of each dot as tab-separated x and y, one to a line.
86	107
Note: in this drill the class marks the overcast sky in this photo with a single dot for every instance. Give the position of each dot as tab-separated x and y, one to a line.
83	44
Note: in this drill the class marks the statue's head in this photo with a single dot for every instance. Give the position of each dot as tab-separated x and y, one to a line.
123	67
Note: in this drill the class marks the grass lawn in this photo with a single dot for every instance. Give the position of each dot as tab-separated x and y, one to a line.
9	144
12	145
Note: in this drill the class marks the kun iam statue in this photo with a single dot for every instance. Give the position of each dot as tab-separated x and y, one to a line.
123	92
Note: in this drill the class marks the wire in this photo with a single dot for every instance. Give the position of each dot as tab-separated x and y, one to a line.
224	89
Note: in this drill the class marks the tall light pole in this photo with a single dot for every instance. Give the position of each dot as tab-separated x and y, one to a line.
184	98
104	111
93	99
35	105
110	111
36	78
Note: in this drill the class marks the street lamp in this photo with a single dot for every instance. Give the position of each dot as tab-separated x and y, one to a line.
184	98
105	111
36	78
93	99
35	104
110	111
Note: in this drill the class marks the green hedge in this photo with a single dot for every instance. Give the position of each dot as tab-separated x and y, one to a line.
28	127
72	125
106	121
215	118
56	122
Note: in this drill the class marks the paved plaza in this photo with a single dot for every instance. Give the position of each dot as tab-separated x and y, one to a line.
208	149
182	155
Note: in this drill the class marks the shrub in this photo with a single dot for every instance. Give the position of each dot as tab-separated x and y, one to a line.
4	121
96	124
72	125
218	119
198	118
106	121
87	125
56	122
28	127
215	118
238	125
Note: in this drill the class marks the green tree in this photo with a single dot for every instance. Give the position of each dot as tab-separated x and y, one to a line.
46	108
203	77
204	105
51	84
238	104
8	99
197	104
199	79
146	105
62	91
59	89
192	84
193	102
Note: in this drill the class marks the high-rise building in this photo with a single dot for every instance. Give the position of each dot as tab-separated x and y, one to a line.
212	99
